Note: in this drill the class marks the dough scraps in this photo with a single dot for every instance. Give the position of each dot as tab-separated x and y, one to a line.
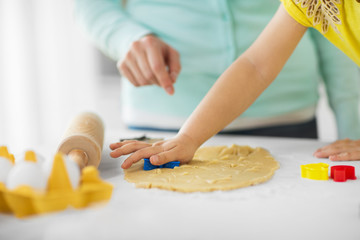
212	168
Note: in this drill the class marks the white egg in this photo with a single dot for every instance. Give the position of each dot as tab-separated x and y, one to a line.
26	173
5	167
73	172
72	169
47	167
21	158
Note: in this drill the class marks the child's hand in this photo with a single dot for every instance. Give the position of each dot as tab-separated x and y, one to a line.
181	148
341	150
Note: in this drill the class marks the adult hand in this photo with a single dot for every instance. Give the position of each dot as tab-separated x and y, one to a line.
151	61
181	148
341	150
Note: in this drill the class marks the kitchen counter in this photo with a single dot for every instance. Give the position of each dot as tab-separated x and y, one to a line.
285	207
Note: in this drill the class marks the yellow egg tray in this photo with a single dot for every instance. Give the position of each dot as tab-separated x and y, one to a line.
25	201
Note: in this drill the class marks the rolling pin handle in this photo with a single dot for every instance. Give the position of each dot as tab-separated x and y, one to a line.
83	140
80	157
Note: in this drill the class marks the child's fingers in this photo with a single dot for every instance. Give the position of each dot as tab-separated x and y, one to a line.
325	153
339	144
333	149
341	150
140	154
164	157
320	154
113	146
116	145
128	148
173	154
346	156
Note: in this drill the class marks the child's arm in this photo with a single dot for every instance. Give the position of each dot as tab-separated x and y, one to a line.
241	84
231	95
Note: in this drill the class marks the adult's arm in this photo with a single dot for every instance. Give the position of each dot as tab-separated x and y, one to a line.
108	25
142	58
342	82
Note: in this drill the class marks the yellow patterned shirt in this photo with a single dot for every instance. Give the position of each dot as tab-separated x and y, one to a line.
337	20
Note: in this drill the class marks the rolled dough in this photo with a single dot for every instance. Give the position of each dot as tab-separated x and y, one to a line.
212	168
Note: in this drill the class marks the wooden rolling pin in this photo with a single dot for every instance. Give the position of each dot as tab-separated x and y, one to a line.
83	140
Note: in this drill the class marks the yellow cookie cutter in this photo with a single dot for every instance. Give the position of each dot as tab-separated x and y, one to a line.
24	201
315	171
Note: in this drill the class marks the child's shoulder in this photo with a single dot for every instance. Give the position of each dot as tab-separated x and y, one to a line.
337	20
320	14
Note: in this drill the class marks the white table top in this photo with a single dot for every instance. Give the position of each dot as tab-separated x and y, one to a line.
285	207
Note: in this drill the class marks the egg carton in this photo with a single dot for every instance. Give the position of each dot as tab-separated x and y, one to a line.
25	200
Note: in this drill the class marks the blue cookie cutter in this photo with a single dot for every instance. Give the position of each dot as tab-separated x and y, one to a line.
148	166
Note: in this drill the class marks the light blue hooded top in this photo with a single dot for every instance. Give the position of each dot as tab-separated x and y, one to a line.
210	35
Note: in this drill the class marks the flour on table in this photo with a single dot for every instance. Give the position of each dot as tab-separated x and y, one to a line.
212	168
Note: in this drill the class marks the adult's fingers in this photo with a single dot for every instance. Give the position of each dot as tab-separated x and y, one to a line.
174	64
132	65
143	64
125	71
157	64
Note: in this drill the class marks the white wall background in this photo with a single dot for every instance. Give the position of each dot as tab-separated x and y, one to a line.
49	72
